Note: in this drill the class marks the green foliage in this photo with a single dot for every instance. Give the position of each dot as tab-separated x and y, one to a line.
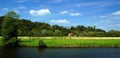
26	42
42	44
1	20
94	33
113	33
13	42
9	28
41	29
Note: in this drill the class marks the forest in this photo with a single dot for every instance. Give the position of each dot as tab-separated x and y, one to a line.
41	29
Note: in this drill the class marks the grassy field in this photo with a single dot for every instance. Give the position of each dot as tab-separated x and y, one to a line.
70	41
0	41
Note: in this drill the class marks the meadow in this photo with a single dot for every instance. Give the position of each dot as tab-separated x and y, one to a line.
69	41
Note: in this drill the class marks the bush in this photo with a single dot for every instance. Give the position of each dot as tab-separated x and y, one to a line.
42	44
11	43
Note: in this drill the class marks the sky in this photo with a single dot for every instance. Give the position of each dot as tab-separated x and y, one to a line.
104	14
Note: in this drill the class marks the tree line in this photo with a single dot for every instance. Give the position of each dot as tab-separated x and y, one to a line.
41	29
11	26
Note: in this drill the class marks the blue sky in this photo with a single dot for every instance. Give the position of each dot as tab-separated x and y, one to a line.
105	14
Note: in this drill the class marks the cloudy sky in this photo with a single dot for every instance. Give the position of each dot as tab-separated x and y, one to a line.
105	14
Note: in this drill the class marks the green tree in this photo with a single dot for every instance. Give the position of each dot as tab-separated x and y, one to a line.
1	19
9	29
113	33
80	30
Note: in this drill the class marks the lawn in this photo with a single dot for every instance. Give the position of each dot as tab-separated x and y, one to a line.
82	43
71	41
0	41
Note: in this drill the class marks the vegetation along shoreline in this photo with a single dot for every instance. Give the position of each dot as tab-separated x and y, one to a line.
45	35
69	42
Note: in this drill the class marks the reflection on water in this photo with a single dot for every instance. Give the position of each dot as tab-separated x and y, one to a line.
8	52
60	53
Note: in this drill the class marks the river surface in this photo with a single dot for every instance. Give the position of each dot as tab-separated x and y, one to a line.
60	53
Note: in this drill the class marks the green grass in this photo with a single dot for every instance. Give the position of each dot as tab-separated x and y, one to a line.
0	41
29	42
82	43
71	41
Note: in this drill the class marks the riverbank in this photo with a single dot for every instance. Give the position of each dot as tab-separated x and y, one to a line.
70	42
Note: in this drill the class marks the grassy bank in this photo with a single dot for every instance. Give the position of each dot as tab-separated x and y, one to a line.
71	42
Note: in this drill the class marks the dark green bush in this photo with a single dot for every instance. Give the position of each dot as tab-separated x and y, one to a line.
42	44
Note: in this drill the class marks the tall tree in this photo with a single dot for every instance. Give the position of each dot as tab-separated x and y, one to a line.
1	20
9	29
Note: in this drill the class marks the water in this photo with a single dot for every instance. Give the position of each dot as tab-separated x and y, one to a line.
60	53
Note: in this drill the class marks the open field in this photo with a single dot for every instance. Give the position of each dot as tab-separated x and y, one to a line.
69	37
70	41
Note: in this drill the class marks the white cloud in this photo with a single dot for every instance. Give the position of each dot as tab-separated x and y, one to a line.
97	4
60	21
119	2
118	25
111	16
75	14
71	13
102	27
72	10
56	1
5	9
116	13
89	4
64	12
16	11
21	1
22	7
36	0
102	16
105	21
40	12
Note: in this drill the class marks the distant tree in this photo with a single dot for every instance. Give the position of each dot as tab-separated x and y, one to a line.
89	28
24	27
44	32
57	33
113	33
29	28
100	30
80	30
95	34
9	29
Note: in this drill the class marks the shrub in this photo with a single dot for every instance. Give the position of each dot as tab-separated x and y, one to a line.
42	44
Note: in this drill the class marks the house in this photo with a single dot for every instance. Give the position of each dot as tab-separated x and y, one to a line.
70	34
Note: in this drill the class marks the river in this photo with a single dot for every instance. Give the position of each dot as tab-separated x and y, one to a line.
60	53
